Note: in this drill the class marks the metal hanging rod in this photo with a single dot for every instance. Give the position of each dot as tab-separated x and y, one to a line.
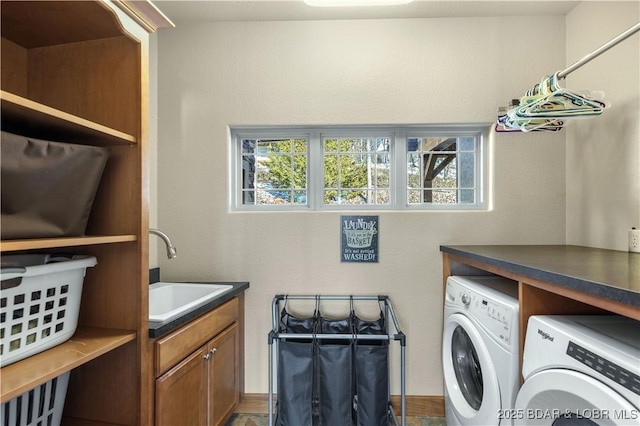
634	29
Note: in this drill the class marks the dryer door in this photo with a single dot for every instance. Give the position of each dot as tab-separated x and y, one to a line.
568	398
470	378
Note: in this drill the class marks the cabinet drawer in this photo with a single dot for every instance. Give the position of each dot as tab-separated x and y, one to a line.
174	347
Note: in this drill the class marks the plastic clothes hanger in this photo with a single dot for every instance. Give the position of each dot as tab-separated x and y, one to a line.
561	103
557	102
543	107
506	124
512	122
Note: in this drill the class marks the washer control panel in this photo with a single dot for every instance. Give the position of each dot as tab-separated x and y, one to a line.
495	317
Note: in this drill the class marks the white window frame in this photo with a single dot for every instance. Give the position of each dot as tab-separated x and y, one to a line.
398	155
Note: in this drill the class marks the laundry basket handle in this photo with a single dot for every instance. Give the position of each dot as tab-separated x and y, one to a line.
11	277
13	270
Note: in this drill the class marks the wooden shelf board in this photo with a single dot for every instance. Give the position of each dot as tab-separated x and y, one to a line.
19	112
85	345
59	22
45	243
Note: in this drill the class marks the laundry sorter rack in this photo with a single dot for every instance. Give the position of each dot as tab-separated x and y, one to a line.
333	371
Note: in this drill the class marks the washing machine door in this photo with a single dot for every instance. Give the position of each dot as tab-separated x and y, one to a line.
569	398
471	382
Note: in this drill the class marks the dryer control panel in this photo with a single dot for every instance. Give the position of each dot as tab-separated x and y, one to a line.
605	367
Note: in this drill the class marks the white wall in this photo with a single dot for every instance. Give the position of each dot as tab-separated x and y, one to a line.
603	154
349	72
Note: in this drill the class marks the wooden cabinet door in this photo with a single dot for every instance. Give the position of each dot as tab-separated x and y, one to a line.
181	392
224	375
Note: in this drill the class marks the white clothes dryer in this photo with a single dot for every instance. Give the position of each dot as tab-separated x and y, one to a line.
480	354
580	370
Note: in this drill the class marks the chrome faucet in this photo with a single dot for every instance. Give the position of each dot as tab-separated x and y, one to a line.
172	252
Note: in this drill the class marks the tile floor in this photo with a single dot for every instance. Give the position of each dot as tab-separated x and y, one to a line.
262	420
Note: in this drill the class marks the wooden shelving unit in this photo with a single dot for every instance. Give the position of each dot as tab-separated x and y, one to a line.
77	72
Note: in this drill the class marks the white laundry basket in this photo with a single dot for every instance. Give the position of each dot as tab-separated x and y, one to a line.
41	405
39	302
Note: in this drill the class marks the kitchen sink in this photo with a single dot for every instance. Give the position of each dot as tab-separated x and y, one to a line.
168	300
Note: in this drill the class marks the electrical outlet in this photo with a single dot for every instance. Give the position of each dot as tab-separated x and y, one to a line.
634	240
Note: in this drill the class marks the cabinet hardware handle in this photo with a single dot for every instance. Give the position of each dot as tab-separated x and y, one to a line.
207	356
213	351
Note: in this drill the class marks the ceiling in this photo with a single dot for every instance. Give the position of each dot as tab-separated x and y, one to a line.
182	11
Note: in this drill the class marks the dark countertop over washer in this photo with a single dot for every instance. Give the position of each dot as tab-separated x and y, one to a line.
608	274
160	329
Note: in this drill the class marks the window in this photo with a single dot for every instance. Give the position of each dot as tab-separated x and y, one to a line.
441	170
274	171
356	170
351	168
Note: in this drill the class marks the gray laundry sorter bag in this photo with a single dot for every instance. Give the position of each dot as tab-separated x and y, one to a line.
47	187
371	374
296	368
295	383
372	384
335	373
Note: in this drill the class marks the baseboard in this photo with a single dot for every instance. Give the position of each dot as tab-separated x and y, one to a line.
420	405
415	405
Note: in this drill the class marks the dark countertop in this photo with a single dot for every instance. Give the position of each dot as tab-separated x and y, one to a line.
160	329
609	274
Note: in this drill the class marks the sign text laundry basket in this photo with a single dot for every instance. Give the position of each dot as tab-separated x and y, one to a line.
333	371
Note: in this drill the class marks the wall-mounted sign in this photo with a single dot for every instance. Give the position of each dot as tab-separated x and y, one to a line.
359	239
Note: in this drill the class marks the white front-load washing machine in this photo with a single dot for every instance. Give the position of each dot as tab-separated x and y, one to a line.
580	370
480	354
